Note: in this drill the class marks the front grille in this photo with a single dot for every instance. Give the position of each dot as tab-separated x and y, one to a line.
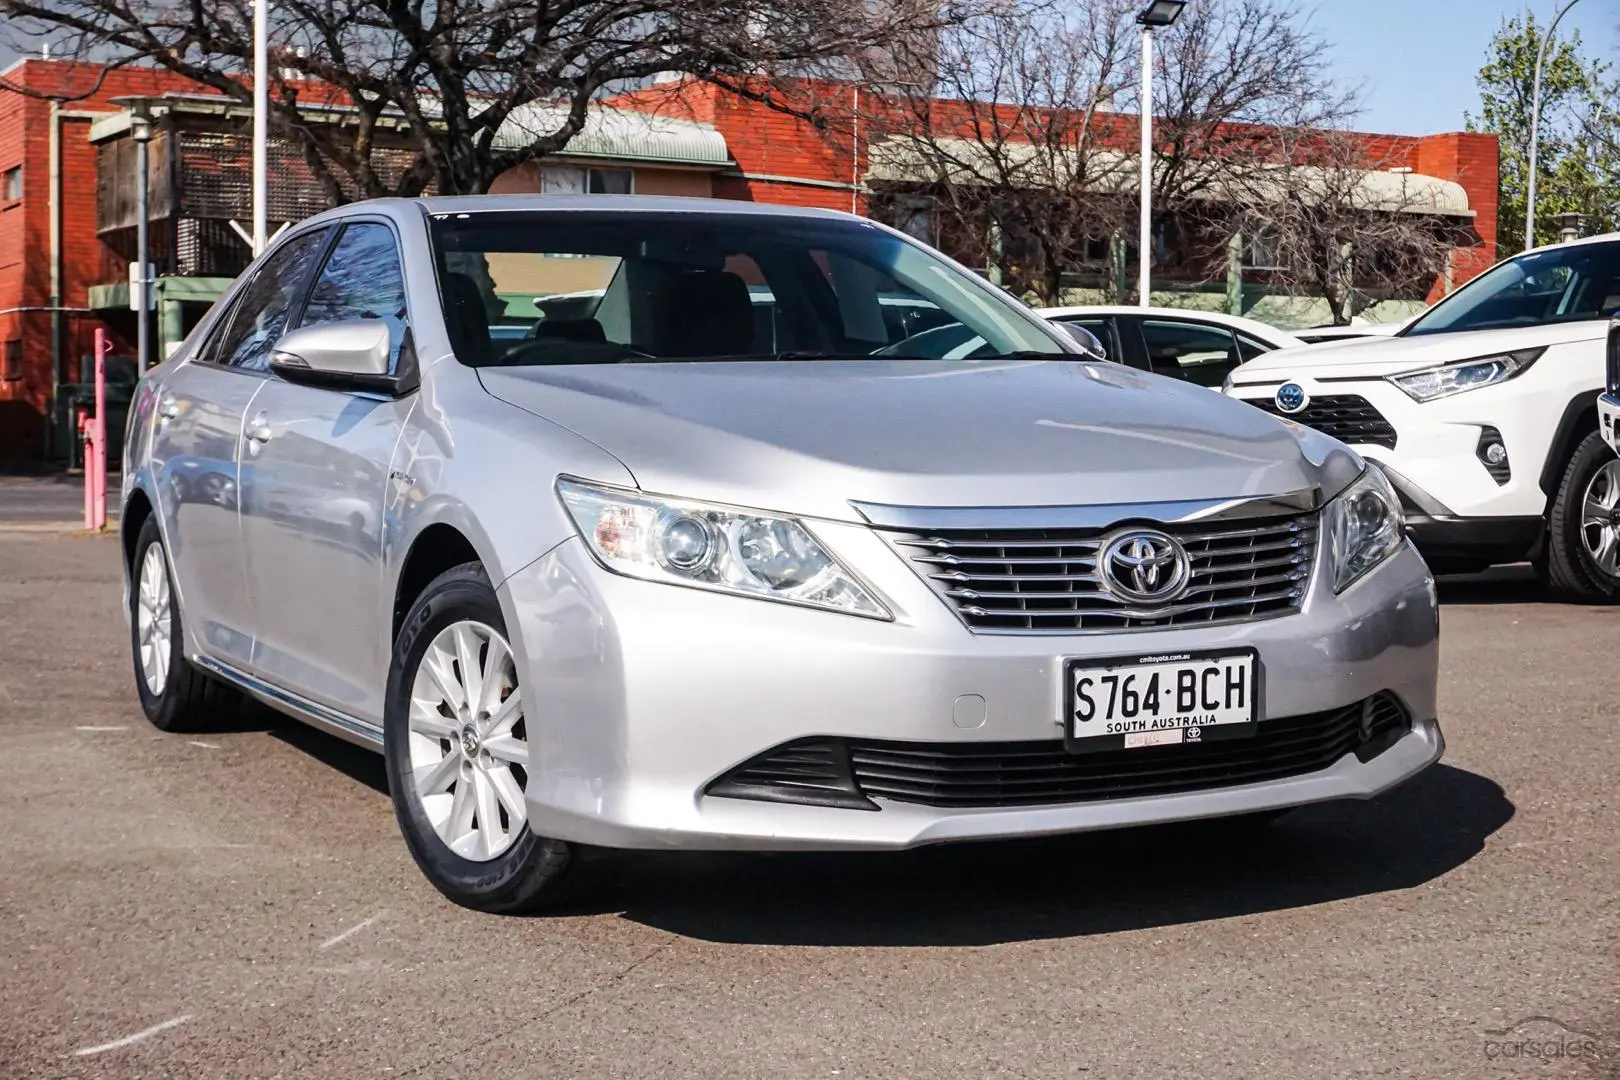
1010	774
1045	580
1349	418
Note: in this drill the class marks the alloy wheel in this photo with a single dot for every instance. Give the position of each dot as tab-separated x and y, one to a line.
154	619
469	749
1600	519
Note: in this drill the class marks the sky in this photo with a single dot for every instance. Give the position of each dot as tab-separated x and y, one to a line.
1416	60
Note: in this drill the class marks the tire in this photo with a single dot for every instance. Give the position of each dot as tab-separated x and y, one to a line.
174	695
499	866
1579	563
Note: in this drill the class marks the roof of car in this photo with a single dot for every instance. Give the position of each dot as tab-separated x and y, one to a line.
467	204
1236	322
1602	238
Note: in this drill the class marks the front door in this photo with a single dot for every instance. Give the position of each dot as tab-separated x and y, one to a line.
315	476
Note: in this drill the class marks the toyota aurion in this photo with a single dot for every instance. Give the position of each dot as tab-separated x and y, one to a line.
531	496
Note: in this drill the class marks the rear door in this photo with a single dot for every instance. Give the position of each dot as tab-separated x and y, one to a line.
196	454
312	498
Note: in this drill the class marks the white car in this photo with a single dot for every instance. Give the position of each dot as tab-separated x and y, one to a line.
1196	346
1483	414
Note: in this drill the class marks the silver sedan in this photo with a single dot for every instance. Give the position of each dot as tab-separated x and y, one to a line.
636	523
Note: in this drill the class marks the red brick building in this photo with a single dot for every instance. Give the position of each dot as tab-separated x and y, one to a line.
66	231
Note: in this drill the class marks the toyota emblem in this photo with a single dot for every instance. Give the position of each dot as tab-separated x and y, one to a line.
1291	398
1144	566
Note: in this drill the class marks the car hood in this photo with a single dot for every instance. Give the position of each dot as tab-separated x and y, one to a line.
811	437
1377	357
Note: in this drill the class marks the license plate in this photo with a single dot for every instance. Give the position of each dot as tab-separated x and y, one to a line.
1168	699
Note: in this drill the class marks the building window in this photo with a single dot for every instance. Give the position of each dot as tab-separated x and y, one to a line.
575	180
11	361
1260	253
11	184
610	182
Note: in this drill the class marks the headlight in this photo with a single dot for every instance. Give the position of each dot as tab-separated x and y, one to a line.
1365	526
713	547
1448	379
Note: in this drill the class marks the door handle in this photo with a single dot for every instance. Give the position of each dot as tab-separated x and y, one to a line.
258	430
168	408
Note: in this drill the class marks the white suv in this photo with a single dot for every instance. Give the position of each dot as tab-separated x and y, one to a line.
1484	415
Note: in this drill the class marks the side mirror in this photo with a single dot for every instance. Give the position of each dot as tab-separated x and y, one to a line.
348	355
1090	346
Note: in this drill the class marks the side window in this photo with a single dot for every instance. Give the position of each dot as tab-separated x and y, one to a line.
1248	348
261	313
362	279
1198	352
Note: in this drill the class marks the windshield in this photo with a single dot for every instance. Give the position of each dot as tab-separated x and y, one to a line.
586	287
1563	284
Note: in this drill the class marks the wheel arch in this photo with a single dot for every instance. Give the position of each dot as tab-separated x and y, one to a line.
436	547
138	507
1579	419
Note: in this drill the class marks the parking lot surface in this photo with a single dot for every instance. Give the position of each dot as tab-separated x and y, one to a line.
239	904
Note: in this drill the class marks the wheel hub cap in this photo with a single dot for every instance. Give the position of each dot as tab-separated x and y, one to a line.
468	743
1600	519
154	614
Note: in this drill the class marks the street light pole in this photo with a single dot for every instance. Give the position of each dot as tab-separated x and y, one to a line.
1158	13
141	284
1535	126
261	118
1145	241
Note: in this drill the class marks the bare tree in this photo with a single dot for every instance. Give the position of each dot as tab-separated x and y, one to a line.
1333	222
1014	147
1027	144
475	86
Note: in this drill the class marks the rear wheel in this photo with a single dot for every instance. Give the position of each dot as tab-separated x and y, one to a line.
174	695
1582	558
456	739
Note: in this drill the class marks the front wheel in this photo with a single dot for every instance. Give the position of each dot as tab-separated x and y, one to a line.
1582	558
456	740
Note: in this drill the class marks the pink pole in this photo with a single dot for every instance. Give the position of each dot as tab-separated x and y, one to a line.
99	432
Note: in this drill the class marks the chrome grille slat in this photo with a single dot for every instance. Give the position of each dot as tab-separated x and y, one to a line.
1046	581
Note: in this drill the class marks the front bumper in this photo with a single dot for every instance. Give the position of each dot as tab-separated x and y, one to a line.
642	694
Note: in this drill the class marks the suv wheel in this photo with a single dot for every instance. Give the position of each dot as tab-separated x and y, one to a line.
456	741
1582	559
174	695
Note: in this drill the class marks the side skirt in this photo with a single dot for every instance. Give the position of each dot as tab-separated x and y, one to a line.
346	727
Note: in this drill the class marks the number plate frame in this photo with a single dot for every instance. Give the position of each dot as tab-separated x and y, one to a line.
1092	744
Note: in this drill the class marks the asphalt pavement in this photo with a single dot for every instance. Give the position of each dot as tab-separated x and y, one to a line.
239	904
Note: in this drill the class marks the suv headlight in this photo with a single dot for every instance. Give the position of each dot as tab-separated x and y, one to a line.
1365	526
1448	379
713	547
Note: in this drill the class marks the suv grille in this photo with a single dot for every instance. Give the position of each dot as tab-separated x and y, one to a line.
990	774
1045	580
1347	417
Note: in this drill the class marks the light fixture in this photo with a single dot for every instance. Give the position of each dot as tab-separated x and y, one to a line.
1161	13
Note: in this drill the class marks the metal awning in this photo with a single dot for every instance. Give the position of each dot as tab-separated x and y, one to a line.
968	162
610	133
